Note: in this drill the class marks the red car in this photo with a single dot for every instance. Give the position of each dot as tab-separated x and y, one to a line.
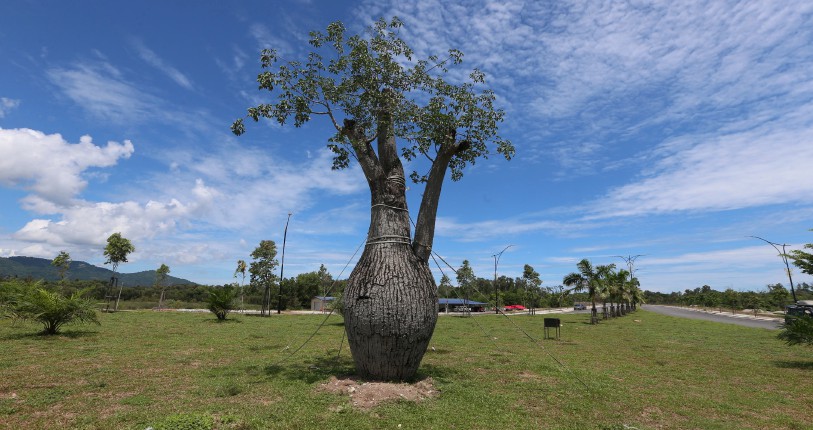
515	308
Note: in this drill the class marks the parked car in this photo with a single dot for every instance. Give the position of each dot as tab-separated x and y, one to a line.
579	307
799	309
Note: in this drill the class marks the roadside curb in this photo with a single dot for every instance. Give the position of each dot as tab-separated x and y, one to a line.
728	314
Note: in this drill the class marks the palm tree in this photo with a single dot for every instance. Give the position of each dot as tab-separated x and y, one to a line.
241	269
621	290
221	301
52	309
604	280
636	295
585	279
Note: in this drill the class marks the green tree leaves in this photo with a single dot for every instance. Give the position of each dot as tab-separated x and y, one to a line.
802	259
117	250
62	262
356	78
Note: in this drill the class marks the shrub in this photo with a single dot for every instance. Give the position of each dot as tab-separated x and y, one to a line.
51	309
10	290
221	301
798	330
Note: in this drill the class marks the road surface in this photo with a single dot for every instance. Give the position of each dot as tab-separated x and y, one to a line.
743	320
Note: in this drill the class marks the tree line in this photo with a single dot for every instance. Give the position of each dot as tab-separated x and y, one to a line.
775	297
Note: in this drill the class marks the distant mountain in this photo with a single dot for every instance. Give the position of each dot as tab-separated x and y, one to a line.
40	268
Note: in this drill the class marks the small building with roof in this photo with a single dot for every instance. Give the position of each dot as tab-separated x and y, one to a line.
322	303
460	305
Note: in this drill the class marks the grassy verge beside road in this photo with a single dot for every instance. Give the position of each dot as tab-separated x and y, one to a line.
648	371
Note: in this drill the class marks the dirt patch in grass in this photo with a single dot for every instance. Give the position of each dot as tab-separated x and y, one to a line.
367	395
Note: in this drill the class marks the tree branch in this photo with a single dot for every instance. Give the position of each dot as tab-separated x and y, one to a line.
364	153
427	214
387	150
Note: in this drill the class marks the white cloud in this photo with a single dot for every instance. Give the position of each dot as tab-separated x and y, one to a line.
737	258
102	90
613	69
154	60
250	187
726	85
51	167
265	39
86	223
726	268
233	67
7	105
489	229
712	173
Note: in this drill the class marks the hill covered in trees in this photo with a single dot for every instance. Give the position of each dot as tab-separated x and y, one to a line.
41	268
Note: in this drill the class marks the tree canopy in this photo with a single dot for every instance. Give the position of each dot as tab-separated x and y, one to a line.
365	75
62	262
264	263
117	249
161	275
802	259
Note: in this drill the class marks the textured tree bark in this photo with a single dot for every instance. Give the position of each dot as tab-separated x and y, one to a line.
390	312
390	301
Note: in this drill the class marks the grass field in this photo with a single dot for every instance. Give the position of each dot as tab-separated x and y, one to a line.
165	369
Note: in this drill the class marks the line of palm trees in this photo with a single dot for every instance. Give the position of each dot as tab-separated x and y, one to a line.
606	284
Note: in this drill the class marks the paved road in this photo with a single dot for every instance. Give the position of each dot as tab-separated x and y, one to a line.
744	320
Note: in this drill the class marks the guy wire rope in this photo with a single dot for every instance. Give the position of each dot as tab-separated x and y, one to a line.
534	340
319	327
434	254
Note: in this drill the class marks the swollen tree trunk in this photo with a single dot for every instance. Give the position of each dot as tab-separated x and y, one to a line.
390	301
390	306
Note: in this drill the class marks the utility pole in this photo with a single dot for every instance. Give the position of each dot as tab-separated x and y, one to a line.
784	257
282	266
496	290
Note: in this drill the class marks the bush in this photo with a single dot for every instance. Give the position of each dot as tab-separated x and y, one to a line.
10	290
51	309
221	301
797	330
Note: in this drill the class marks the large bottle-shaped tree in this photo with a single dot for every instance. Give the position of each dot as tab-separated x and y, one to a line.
376	95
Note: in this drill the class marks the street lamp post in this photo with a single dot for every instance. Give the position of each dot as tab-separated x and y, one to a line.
784	257
496	290
282	266
630	260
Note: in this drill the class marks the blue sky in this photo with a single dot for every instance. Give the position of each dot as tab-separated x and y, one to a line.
669	129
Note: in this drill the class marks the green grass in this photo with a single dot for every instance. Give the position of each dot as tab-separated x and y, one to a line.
182	370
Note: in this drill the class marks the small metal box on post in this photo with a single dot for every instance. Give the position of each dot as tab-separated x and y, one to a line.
550	323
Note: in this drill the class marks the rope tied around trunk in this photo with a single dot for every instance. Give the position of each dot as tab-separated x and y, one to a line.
398	179
389	206
389	238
